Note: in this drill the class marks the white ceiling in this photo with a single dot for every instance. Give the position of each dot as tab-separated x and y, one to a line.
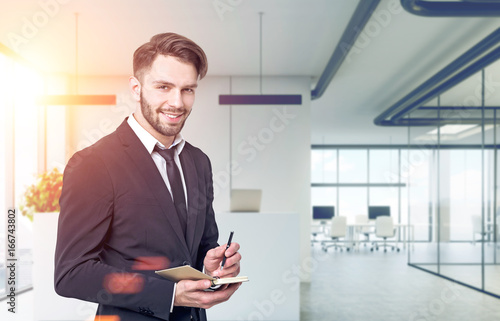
398	51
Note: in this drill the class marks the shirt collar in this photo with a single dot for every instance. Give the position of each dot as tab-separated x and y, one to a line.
149	141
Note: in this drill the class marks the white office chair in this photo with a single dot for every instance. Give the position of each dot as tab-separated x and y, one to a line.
364	230
384	228
337	230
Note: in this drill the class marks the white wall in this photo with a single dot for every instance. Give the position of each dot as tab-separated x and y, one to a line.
55	139
87	124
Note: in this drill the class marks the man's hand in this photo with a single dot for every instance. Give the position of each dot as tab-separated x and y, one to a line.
191	294
213	261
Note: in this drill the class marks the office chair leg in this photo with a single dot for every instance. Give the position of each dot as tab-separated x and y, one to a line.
385	246
335	246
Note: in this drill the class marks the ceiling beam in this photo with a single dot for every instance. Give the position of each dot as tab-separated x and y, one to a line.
361	15
452	8
473	60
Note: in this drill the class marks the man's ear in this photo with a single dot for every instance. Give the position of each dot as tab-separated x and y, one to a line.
135	88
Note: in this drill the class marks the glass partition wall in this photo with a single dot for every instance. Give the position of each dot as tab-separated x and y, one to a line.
444	184
445	192
453	194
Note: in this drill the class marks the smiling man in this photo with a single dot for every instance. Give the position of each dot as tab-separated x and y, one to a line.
140	200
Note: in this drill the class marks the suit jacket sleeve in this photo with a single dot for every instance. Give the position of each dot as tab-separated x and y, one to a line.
84	226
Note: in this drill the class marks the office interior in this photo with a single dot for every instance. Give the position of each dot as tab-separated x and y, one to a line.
398	109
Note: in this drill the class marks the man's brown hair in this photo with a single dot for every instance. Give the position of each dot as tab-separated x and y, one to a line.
169	44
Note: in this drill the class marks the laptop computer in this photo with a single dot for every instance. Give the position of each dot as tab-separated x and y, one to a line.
245	200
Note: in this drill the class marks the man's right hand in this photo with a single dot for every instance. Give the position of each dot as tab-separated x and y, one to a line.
192	294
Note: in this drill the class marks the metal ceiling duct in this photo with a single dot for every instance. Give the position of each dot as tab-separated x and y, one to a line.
361	15
469	8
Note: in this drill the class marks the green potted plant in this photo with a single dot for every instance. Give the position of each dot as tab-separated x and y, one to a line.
43	196
41	205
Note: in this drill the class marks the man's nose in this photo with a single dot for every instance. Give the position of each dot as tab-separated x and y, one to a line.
175	99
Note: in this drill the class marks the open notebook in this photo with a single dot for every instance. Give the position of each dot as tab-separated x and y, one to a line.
186	272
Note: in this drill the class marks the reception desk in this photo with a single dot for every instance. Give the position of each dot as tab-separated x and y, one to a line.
270	258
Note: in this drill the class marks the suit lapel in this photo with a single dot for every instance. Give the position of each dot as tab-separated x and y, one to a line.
146	167
192	185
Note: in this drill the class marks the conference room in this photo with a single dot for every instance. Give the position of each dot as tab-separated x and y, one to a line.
352	144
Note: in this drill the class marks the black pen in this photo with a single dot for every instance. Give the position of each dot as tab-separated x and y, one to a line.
227	246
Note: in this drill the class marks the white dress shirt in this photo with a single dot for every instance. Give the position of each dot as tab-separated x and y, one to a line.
149	142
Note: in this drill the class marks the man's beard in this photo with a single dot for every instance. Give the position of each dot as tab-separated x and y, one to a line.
153	118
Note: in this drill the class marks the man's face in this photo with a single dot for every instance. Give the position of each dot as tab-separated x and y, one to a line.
167	95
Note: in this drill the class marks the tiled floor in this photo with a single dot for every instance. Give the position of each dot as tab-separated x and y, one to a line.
364	285
368	285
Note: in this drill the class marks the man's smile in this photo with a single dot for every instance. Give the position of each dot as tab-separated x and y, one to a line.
172	117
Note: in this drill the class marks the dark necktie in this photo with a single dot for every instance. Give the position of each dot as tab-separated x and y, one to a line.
174	177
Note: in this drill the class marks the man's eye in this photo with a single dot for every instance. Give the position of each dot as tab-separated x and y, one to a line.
189	90
162	87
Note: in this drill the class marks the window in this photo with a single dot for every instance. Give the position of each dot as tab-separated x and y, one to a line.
352	166
464	192
384	166
360	177
386	196
19	87
324	166
355	179
4	152
416	169
324	196
352	202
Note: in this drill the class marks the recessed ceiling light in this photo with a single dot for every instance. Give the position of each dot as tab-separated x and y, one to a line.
452	129
453	132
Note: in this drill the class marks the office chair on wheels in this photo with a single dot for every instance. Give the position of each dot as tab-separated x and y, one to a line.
384	228
337	230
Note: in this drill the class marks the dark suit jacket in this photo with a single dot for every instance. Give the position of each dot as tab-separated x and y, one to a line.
117	215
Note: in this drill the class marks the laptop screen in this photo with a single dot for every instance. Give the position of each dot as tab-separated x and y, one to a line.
246	200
